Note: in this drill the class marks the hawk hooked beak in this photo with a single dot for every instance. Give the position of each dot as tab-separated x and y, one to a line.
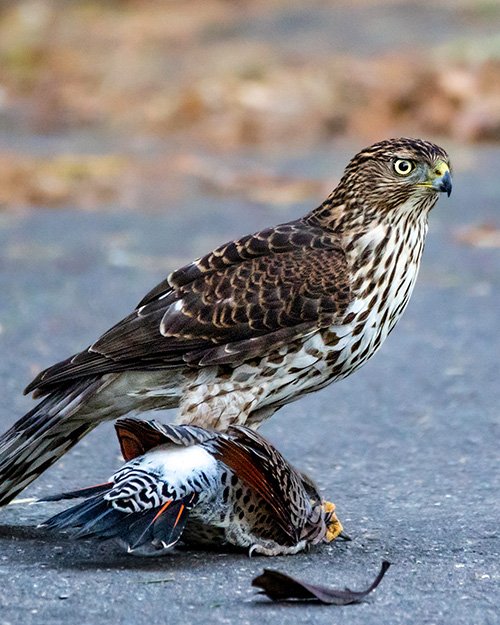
439	179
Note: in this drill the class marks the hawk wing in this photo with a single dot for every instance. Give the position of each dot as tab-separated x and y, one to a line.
243	300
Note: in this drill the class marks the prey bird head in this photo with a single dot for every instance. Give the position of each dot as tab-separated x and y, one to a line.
394	177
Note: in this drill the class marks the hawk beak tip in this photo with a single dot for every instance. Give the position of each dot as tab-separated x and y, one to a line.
444	183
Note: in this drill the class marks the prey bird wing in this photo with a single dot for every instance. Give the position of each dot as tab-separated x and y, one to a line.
242	300
137	437
267	473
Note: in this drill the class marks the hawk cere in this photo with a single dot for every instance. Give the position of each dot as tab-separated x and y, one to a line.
254	325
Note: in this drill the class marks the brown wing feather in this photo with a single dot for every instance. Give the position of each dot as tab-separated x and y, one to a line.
267	473
137	437
244	299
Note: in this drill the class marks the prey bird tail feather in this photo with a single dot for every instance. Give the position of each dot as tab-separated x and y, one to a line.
80	493
96	516
43	435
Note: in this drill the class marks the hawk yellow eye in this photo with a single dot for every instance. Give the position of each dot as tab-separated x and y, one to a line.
402	167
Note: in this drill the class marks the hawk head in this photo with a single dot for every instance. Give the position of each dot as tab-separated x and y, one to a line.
392	178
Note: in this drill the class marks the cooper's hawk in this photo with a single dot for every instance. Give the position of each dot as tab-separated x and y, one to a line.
254	325
210	487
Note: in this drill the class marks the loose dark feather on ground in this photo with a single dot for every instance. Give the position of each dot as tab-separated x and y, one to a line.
281	587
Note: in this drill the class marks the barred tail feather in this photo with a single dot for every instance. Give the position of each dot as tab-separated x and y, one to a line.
79	516
96	517
42	436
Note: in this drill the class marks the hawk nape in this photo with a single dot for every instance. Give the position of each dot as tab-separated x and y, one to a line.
255	324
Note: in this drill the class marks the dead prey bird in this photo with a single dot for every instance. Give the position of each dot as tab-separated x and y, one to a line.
204	486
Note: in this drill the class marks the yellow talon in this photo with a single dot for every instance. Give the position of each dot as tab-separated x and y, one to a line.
334	526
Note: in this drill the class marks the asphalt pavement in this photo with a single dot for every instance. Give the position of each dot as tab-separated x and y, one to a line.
407	447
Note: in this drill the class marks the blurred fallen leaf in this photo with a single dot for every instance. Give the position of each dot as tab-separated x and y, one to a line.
280	587
258	186
67	179
480	235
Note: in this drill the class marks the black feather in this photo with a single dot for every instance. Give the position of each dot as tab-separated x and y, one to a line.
96	517
79	515
80	494
281	587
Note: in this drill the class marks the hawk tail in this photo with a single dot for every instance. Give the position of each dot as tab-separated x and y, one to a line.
43	435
